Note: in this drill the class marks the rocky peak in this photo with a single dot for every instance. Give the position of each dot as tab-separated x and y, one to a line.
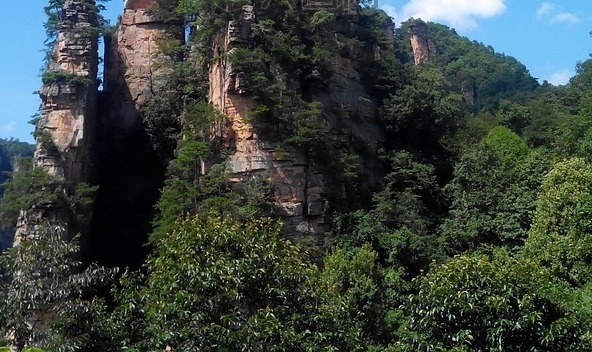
423	47
68	96
66	126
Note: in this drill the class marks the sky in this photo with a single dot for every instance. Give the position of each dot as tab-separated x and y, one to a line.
548	37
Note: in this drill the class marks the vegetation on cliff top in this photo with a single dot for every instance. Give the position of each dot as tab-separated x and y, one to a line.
475	239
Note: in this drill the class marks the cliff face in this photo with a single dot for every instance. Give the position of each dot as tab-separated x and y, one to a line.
299	183
134	68
100	137
297	186
68	111
68	115
423	47
129	172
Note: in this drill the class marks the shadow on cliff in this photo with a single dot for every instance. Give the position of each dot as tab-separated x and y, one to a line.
130	175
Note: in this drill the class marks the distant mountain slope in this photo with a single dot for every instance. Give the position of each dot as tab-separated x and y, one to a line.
10	149
483	75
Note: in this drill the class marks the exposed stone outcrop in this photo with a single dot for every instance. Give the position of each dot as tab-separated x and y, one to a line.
68	109
467	91
68	95
300	186
135	67
129	171
423	47
85	132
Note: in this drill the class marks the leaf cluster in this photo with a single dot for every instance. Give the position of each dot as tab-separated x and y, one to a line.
45	290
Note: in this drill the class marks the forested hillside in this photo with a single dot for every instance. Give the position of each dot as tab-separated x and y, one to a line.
11	151
465	227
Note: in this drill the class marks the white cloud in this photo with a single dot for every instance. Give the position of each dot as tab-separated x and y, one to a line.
391	11
8	127
462	14
545	9
565	17
560	77
549	11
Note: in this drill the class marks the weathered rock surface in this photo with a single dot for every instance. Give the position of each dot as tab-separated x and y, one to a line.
68	110
128	170
102	133
423	47
134	65
300	186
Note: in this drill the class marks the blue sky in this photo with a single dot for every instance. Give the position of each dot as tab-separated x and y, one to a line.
549	37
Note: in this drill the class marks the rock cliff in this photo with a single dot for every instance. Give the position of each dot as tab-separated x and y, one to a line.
423	47
349	109
95	136
67	122
69	97
129	172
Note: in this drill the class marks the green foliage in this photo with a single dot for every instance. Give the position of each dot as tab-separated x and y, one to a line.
44	294
322	19
55	14
308	133
196	184
509	149
227	282
45	140
423	113
400	229
403	219
31	187
560	234
468	64
51	77
15	148
411	197
216	284
26	188
493	193
514	116
494	302
129	322
357	278
11	150
161	116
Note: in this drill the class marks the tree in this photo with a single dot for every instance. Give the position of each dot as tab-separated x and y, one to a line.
560	236
25	188
493	192
45	295
401	226
357	278
493	302
55	14
215	284
425	109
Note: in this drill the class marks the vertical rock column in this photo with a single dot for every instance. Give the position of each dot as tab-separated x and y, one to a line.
69	96
423	47
297	183
68	108
129	170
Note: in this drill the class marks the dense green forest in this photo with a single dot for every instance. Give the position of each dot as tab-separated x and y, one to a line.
476	239
11	150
